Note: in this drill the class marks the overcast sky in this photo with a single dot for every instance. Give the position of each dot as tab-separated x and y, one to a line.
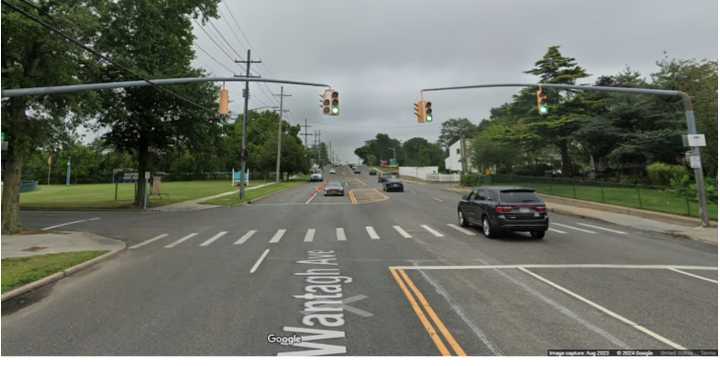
378	54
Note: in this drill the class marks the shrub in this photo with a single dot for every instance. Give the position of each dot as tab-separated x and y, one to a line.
661	174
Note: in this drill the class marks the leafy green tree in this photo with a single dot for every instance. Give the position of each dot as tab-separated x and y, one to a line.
34	56
155	38
454	129
420	152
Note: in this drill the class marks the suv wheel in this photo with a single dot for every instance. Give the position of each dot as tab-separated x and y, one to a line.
461	219
487	228
537	234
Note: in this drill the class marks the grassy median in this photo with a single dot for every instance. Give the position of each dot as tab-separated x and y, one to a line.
20	271
92	196
234	200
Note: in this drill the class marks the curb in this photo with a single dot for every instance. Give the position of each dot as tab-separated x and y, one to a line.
59	275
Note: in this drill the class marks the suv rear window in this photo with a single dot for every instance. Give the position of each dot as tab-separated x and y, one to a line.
518	197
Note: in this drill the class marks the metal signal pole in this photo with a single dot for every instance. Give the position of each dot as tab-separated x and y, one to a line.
246	94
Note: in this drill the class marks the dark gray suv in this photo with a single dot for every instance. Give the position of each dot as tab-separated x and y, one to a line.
497	209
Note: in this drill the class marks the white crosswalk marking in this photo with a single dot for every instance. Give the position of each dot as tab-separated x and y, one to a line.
176	242
340	234
557	231
402	232
462	230
436	233
146	242
245	237
602	228
574	228
278	235
212	239
371	232
309	235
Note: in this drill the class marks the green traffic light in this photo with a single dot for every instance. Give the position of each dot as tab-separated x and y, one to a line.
543	109
336	110
428	118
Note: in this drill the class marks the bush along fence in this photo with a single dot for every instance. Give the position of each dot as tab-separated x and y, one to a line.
655	198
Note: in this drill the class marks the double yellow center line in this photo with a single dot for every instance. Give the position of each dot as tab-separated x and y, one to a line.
353	199
429	319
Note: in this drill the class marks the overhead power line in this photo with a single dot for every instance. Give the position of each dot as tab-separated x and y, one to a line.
91	50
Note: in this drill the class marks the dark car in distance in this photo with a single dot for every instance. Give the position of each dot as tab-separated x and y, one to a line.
373	172
393	185
499	209
334	188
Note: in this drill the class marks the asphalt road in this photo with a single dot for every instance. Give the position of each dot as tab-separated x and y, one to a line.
369	273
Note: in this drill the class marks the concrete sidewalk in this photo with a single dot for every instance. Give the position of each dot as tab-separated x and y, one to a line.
58	242
639	219
196	204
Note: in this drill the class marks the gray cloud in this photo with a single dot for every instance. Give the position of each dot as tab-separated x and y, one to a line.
380	53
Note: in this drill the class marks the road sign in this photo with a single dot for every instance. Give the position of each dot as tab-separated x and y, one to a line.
694	140
695	162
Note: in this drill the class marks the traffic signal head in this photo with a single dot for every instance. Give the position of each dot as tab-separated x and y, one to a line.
423	111
334	103
428	111
418	112
224	102
541	99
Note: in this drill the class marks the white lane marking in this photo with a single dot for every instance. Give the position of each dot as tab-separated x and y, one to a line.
462	230
312	197
340	234
278	235
309	235
602	228
402	232
606	311
176	242
693	275
371	232
436	233
257	263
603	266
146	242
557	231
574	228
69	223
437	199
245	237
211	240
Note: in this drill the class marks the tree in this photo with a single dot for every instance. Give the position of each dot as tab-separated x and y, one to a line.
454	129
155	38
34	56
561	122
419	152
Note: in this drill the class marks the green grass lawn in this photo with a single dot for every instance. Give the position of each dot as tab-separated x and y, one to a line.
234	200
19	271
644	198
82	196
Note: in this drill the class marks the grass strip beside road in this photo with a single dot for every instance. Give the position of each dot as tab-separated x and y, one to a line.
20	271
102	196
234	200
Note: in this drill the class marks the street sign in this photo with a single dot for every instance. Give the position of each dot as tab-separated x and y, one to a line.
694	140
695	162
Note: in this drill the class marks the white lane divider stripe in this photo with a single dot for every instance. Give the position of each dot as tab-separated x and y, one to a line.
312	197
602	228
437	199
309	235
278	235
340	234
176	242
557	231
462	230
211	240
245	237
146	242
402	232
371	232
693	275
606	311
69	223
574	228
436	233
260	260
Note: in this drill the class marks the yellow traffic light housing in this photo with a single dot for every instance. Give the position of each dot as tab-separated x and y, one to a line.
423	111
541	100
428	111
224	102
334	103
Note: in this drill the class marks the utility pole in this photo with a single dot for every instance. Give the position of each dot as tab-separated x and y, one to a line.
306	134
462	158
318	149
67	174
279	143
246	94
